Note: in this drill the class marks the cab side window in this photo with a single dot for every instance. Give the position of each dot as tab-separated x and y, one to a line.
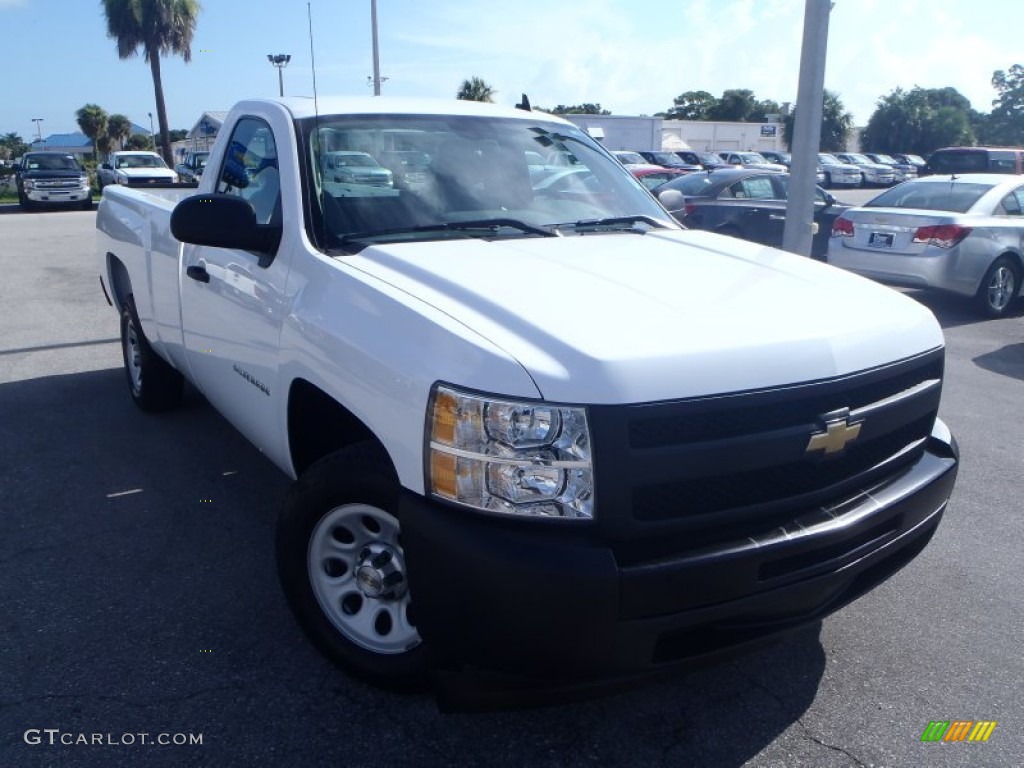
250	169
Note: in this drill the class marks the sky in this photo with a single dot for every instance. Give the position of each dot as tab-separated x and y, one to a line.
631	57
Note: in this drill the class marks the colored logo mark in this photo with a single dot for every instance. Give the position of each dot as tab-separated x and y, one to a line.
958	730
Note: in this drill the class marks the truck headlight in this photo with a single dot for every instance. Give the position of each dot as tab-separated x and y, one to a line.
29	184
517	458
121	179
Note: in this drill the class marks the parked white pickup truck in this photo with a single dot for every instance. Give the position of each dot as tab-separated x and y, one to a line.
536	427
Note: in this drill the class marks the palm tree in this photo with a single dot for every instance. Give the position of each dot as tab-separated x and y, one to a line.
92	119
119	128
158	27
475	89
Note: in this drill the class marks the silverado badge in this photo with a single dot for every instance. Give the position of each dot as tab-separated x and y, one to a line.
838	433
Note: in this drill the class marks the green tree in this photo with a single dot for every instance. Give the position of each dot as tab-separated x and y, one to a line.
475	89
736	105
158	28
12	146
119	128
178	134
580	109
919	120
691	105
836	125
139	141
92	120
1006	121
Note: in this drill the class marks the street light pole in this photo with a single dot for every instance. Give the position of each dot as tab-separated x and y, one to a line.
280	61
798	231
376	55
39	129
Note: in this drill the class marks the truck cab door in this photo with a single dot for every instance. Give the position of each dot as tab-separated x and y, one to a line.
233	301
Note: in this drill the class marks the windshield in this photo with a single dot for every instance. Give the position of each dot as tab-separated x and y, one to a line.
956	197
828	160
752	157
461	176
50	163
915	159
665	158
858	159
710	158
631	158
139	161
887	159
199	160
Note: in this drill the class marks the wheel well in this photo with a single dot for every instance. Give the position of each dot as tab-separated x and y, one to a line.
120	283
319	425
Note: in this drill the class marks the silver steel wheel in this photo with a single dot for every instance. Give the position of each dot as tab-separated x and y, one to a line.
133	357
1001	287
357	571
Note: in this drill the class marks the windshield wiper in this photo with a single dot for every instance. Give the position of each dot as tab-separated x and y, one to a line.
616	224
488	226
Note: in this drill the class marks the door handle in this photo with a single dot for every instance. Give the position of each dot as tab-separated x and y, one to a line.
198	273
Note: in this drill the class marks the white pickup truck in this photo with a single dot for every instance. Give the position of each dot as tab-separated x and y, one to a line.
536	427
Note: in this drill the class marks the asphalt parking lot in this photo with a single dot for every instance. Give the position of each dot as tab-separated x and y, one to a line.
140	595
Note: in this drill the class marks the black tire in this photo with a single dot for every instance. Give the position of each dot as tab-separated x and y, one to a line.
153	384
25	203
828	181
999	287
87	204
338	550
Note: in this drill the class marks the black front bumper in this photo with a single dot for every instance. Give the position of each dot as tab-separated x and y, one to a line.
550	599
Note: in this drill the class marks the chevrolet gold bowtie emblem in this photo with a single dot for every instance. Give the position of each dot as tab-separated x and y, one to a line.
837	435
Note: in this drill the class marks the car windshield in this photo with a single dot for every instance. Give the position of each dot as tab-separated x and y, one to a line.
885	159
858	159
954	196
665	158
470	177
752	157
710	158
915	159
139	161
632	158
50	163
200	160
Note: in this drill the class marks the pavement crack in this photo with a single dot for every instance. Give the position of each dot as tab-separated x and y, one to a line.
803	726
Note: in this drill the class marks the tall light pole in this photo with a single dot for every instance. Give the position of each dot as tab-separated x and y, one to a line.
376	55
798	230
280	61
152	135
39	129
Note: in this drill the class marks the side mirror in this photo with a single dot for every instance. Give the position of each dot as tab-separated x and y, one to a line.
223	221
672	199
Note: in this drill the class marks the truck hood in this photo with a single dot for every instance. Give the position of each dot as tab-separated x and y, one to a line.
628	318
132	173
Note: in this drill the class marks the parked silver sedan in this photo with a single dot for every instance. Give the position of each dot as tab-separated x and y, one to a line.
963	234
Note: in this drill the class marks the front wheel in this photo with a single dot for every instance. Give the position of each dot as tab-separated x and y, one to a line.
999	287
342	567
154	385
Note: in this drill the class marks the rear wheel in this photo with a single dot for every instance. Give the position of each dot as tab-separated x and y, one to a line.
999	287
342	567
154	385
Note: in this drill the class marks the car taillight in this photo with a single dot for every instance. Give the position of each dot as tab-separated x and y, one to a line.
941	235
842	228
